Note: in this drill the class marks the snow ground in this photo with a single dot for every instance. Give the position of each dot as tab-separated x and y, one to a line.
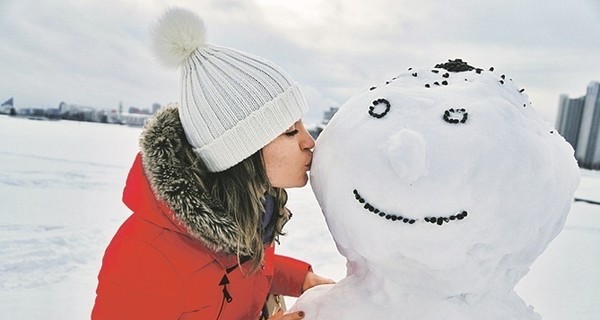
60	190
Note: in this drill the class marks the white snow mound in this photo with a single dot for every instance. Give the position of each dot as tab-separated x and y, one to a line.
440	187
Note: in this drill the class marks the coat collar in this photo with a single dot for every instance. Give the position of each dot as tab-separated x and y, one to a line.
178	185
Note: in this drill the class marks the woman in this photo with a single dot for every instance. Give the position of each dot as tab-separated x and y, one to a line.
206	190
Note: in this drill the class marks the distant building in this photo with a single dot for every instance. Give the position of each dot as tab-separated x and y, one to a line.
138	117
328	114
8	107
8	103
135	119
75	112
578	122
569	118
33	113
318	128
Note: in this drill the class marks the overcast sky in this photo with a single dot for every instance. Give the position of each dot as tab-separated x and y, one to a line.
96	53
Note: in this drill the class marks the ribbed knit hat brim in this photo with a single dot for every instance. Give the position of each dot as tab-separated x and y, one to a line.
255	131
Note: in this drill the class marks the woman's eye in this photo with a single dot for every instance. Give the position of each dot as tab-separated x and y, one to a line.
291	133
455	116
379	108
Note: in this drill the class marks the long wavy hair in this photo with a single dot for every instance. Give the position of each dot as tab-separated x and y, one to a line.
241	190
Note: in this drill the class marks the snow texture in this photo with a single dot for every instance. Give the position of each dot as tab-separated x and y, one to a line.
60	195
457	185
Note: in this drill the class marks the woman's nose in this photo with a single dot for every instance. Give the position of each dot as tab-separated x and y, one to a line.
307	141
406	151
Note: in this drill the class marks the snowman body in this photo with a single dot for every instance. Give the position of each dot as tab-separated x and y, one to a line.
440	187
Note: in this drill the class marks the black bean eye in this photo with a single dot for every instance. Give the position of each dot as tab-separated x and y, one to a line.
455	116
379	108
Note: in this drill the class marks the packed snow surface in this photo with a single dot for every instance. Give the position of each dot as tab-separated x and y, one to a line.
440	187
60	195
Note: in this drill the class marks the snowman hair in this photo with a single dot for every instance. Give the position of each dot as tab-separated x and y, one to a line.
176	35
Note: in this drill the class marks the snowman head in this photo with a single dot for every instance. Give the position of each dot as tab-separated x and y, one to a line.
446	168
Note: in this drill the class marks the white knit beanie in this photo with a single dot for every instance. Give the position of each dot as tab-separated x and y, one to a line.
232	103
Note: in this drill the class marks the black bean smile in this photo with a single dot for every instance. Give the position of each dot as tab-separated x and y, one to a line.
394	217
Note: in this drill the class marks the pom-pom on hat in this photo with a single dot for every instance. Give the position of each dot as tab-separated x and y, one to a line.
232	103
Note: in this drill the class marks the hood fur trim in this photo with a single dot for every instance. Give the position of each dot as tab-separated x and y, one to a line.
177	179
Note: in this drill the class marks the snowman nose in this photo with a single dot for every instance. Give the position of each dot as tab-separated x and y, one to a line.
406	151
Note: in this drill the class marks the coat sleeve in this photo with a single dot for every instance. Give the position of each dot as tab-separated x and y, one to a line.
136	282
289	276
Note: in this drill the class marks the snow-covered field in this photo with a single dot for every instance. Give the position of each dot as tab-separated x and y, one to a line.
60	204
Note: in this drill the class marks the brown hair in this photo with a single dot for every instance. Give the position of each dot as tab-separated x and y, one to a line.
241	190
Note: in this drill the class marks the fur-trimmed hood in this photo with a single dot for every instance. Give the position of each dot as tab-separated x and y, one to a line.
175	178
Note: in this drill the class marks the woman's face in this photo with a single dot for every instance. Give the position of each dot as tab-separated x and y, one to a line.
288	157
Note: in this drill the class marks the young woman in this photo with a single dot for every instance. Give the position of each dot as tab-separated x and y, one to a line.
207	190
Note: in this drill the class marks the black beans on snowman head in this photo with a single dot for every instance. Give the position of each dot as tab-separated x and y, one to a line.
379	108
456	116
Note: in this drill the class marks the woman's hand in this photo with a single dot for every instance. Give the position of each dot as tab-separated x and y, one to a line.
292	316
311	279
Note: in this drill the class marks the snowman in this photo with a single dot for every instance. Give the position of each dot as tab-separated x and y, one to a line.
440	188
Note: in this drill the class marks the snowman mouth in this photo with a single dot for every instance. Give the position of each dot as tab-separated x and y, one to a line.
439	220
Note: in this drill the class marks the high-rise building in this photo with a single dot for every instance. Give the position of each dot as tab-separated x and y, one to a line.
569	118
578	122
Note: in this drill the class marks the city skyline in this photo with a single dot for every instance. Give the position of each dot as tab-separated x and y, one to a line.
96	52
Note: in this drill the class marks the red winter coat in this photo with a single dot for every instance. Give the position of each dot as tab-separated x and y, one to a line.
155	269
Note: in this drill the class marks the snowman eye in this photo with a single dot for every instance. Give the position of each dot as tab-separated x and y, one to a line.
379	108
455	116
